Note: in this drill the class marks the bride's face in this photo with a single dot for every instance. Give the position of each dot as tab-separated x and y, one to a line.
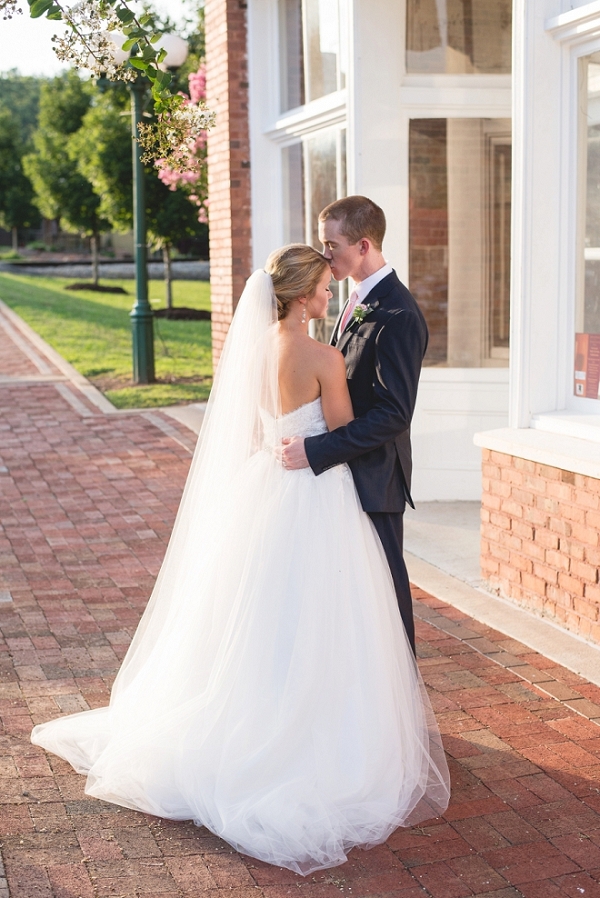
317	304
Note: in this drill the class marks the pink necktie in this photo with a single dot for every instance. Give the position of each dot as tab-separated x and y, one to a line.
352	303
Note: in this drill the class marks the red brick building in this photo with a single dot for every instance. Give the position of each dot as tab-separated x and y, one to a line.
229	155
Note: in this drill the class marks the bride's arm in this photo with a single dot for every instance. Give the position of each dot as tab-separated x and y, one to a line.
335	398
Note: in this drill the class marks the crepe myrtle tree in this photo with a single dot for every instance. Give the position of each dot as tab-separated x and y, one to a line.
94	35
193	180
101	149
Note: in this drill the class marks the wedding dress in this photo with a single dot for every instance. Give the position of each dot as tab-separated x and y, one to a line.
270	693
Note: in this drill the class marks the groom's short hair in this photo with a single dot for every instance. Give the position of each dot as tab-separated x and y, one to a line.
358	217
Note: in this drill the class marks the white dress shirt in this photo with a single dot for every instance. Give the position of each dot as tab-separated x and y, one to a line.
362	290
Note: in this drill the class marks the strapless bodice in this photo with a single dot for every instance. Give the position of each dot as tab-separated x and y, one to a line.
305	421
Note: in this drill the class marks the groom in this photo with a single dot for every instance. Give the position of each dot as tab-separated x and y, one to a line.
383	336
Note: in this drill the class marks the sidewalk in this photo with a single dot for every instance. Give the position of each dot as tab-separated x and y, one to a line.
87	502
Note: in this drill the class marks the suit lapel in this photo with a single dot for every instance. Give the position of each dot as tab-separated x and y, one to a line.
373	298
335	332
352	328
381	290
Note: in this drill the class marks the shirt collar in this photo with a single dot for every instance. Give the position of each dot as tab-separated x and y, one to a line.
364	288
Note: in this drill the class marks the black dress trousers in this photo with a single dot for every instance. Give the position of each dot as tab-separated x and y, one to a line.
390	528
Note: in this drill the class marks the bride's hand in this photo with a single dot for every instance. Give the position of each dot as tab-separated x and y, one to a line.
293	456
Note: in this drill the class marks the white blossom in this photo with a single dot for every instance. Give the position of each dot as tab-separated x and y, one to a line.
88	44
9	7
172	139
191	120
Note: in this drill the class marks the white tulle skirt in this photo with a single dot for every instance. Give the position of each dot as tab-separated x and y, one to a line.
274	698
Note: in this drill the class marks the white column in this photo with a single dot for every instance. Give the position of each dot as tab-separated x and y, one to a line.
466	242
377	136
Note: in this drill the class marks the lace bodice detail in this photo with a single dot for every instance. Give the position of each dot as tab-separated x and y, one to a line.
305	421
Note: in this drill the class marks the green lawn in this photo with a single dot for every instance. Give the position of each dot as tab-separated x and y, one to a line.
92	331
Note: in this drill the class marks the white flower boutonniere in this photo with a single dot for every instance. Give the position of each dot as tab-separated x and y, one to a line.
360	313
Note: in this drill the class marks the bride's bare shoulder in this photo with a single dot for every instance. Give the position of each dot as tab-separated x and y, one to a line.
328	357
327	352
311	357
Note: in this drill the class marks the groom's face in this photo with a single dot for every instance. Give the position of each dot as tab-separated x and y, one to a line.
345	258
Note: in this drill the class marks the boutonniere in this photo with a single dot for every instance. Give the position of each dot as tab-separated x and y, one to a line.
360	313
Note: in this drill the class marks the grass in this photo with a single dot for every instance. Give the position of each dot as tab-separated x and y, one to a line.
92	331
9	255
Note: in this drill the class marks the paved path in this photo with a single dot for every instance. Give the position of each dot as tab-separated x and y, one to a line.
87	503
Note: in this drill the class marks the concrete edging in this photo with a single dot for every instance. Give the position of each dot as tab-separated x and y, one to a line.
538	633
91	393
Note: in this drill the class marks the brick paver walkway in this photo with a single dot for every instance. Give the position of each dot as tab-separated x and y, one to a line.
87	504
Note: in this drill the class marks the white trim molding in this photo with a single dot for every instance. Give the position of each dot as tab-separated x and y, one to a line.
576	24
568	453
457	96
570	424
322	113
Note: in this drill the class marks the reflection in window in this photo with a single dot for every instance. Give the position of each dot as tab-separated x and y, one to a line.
591	303
458	36
313	49
499	246
325	179
459	237
587	324
291	59
428	230
320	161
314	173
293	194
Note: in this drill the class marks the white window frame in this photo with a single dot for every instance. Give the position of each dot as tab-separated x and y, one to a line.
551	407
547	424
578	33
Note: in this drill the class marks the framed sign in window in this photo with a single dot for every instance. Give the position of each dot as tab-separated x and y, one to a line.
587	366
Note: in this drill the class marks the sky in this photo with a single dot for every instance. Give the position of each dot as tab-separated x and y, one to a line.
25	44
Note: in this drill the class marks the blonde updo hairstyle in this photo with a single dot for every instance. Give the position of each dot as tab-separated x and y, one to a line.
295	271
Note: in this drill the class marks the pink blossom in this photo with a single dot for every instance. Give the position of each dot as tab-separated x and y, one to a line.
193	179
197	84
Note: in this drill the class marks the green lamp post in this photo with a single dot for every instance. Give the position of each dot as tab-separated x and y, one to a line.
142	324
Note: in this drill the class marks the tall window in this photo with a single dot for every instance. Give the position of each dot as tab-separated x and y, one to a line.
587	319
459	227
460	178
313	41
314	171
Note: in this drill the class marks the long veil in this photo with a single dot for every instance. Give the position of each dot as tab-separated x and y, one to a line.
244	389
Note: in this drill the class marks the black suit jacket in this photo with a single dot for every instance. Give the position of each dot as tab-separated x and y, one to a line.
383	362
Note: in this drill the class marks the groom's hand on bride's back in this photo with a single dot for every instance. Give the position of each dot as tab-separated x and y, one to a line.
293	454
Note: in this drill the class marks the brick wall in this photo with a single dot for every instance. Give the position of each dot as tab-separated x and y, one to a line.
540	540
428	230
228	160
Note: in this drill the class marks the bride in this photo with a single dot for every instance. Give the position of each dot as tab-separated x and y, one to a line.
270	693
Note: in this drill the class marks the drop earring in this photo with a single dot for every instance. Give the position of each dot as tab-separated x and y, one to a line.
304	315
